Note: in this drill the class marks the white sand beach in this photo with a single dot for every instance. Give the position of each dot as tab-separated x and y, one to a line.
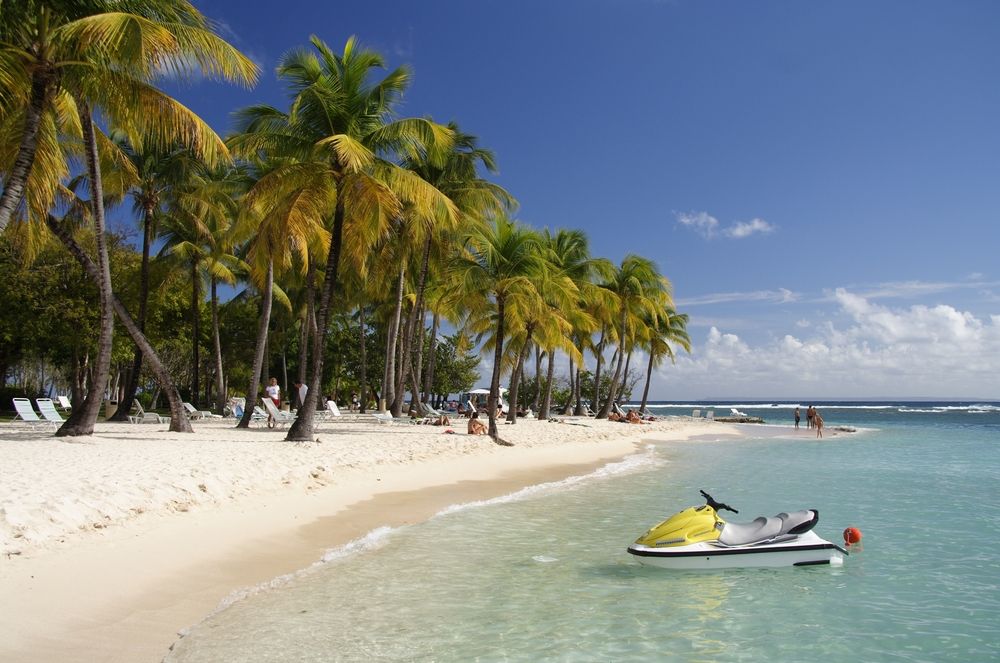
112	544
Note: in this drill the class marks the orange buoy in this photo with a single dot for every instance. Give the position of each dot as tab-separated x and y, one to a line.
852	535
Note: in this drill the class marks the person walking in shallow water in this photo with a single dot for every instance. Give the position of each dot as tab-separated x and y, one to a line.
796	417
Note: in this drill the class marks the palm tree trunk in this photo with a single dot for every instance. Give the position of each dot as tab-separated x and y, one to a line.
220	382
606	407
645	389
599	355
258	356
195	333
133	382
431	359
17	178
389	378
538	378
491	402
415	357
81	422
543	409
575	402
178	417
416	363
302	428
515	379
363	387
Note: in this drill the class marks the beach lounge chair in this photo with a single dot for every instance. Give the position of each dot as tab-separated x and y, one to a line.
259	417
48	410
27	414
696	414
143	417
195	413
387	418
64	403
278	418
710	415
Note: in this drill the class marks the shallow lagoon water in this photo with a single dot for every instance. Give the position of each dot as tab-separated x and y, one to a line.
543	574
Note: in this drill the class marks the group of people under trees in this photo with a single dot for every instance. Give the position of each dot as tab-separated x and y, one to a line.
813	419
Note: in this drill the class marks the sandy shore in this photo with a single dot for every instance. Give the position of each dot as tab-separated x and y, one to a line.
110	545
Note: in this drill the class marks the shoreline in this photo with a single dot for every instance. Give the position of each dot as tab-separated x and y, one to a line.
124	592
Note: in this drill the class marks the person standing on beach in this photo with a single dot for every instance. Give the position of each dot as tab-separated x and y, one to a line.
818	420
810	416
796	417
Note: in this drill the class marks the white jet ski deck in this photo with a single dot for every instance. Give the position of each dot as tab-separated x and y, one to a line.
697	538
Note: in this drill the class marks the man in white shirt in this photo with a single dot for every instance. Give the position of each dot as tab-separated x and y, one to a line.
303	390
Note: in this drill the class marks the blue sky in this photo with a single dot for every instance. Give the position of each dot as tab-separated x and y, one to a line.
821	182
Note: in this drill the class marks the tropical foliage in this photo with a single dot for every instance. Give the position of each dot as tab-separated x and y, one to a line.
330	241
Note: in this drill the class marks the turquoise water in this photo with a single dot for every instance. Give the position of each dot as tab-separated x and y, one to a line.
543	574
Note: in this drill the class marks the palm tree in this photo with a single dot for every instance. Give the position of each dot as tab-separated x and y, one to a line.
103	52
336	137
281	233
669	327
157	172
493	272
638	288
457	177
82	59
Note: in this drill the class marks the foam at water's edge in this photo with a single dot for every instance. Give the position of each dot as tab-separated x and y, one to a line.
631	463
379	536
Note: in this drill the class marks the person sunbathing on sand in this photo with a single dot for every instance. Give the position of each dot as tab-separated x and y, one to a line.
476	427
633	417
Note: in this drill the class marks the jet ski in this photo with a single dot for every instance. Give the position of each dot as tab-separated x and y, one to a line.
698	538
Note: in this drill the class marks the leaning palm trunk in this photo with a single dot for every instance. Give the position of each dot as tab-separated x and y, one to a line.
220	382
178	418
645	389
81	422
132	386
258	355
543	409
17	178
302	428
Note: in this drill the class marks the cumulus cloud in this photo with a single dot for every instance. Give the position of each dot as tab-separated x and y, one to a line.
708	226
936	351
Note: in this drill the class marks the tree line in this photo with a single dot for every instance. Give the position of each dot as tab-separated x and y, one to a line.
353	237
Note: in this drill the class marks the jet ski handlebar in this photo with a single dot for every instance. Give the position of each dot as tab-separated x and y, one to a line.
718	506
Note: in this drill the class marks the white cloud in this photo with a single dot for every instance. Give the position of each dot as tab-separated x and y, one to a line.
779	296
707	225
881	351
745	229
701	222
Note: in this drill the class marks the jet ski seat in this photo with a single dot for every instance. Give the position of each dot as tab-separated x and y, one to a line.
786	525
